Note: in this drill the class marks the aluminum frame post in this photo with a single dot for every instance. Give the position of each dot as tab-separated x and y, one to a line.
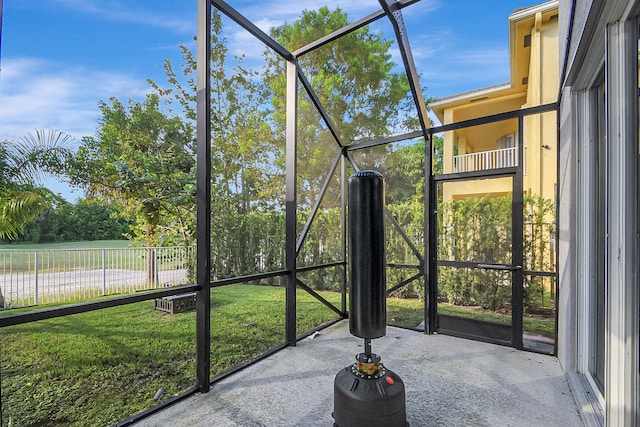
291	197
517	243
430	265
203	198
343	234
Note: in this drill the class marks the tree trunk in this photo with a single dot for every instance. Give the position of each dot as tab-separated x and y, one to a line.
152	265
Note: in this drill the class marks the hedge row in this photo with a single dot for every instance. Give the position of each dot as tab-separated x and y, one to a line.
476	230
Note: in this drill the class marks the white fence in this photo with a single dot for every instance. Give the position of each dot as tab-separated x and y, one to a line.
485	160
51	276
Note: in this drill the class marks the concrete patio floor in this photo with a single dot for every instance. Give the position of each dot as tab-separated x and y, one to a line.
448	382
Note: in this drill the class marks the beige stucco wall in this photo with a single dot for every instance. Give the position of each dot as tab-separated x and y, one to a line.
540	131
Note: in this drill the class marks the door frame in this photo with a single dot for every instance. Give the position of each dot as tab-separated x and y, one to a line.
517	235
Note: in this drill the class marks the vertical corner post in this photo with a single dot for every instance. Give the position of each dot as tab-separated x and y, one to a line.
291	198
429	266
343	235
203	197
517	243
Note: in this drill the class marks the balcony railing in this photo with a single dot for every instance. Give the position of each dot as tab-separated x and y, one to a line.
484	160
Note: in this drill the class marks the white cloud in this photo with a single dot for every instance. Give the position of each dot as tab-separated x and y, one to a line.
134	13
242	42
36	94
430	44
489	56
289	11
266	24
449	63
470	69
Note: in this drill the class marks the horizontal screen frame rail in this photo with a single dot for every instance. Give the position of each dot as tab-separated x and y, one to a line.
479	265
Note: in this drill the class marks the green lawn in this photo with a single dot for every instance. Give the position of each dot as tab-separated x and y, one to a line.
409	313
101	367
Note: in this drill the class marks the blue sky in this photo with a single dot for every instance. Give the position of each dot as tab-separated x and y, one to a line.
58	58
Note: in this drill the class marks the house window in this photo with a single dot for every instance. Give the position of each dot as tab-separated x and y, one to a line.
605	119
598	286
507	141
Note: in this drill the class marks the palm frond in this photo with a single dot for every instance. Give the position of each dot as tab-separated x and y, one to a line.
41	152
18	207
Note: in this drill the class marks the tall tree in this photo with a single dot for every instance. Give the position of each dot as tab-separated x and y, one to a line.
143	161
355	81
404	170
246	163
247	172
24	165
87	219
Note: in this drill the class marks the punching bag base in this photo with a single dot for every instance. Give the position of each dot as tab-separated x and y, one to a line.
368	400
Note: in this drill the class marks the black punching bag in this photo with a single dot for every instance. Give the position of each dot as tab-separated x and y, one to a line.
367	266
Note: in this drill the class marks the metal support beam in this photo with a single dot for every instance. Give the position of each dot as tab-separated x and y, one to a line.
318	297
348	157
404	283
384	140
291	197
495	118
343	233
349	29
316	206
481	174
393	10
67	310
316	102
517	244
252	28
339	33
430	241
404	236
388	214
203	197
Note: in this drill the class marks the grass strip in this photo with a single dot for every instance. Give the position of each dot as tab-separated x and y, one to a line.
101	367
